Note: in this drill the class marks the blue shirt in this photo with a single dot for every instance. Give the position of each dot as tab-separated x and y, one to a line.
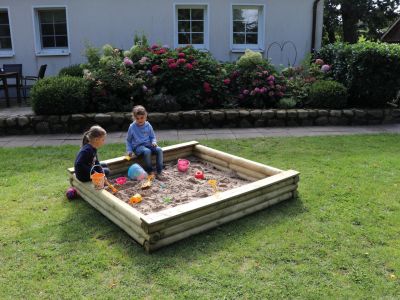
139	136
85	160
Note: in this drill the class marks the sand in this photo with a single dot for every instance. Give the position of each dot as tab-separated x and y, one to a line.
177	187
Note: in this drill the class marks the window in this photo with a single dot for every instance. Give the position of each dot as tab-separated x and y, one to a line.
247	27
5	34
191	26
51	31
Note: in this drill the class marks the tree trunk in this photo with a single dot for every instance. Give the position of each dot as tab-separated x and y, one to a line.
350	21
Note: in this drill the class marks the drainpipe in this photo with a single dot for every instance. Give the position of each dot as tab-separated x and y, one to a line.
314	24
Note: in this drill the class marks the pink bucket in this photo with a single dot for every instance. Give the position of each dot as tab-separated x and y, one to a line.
183	165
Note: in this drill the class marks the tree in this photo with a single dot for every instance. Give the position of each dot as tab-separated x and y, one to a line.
351	18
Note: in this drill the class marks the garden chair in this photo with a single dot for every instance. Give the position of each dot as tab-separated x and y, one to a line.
40	75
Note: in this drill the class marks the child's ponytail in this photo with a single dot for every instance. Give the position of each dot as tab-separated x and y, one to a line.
95	131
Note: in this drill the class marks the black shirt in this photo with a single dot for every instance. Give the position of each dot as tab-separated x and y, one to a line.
85	160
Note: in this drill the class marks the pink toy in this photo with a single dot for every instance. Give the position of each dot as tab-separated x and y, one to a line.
71	193
183	165
121	180
199	175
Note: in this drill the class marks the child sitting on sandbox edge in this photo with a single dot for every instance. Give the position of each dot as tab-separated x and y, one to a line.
86	160
141	140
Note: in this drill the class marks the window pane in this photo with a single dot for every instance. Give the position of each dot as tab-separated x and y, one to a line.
48	42
252	27
238	26
197	38
251	38
60	28
237	14
61	41
4	30
184	26
4	17
198	14
5	43
197	26
45	17
250	15
47	29
183	14
184	38
238	38
59	16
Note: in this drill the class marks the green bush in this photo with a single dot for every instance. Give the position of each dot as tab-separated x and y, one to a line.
327	94
72	70
59	95
369	70
286	103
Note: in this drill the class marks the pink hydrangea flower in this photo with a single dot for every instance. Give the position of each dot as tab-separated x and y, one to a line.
207	87
263	90
189	66
172	66
170	60
155	46
256	90
270	78
143	60
227	81
144	88
245	92
319	61
161	51
325	68
128	61
155	68
181	61
181	55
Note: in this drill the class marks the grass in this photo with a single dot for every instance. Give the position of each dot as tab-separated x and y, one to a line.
340	239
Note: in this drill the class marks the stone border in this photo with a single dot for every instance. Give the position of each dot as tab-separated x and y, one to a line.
229	118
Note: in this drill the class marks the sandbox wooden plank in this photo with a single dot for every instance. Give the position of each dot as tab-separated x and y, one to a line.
181	235
173	212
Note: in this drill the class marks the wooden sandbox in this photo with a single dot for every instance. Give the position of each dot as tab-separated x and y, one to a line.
268	186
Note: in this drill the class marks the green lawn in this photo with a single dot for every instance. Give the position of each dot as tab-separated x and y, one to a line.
341	239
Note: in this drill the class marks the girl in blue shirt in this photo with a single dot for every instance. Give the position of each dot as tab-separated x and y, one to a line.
141	140
86	158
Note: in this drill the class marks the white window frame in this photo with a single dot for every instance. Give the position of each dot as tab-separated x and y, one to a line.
37	34
206	8
8	52
260	46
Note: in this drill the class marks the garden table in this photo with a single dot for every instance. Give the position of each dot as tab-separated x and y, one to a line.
3	77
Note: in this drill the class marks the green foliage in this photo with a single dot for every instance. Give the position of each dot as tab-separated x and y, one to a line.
59	95
72	70
286	103
369	70
327	94
299	79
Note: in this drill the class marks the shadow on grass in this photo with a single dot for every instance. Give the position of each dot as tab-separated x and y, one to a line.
93	225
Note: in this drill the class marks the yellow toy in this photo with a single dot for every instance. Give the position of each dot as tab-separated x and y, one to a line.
135	199
148	182
214	185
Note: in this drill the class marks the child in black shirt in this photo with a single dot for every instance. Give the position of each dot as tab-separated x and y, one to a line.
93	139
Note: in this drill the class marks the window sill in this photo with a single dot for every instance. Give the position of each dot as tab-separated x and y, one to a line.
7	53
244	50
65	52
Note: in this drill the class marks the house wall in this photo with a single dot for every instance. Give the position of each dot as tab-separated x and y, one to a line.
103	21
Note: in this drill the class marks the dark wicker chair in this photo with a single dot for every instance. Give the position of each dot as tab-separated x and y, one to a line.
42	71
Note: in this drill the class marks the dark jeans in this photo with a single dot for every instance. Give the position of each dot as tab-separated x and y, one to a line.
147	151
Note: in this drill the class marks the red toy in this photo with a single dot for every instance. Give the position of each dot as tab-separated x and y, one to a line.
199	175
121	180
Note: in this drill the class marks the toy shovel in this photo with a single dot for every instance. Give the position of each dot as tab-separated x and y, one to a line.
147	183
113	189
